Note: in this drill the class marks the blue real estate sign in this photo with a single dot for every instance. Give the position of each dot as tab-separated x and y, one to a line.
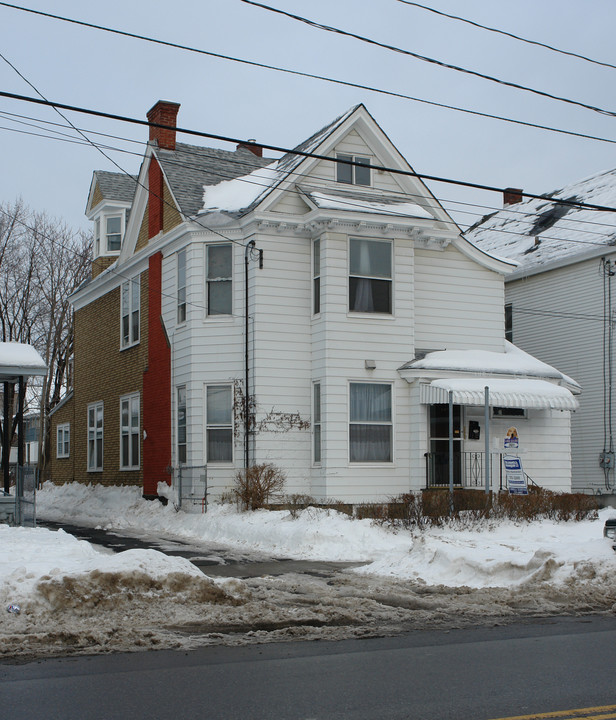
516	480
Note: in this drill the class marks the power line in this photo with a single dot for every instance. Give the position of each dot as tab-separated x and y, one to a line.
433	61
508	34
323	78
297	151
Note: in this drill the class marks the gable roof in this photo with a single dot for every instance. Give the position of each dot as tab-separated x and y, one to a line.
538	233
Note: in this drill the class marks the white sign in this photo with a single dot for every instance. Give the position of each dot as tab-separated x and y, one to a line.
512	439
516	479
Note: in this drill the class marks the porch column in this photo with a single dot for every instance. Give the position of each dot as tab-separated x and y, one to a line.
6	440
451	452
487	437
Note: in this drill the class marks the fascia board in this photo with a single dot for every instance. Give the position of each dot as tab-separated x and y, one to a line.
466	247
420	374
521	273
169	187
89	207
138	208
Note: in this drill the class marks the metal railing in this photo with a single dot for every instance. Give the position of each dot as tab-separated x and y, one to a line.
468	470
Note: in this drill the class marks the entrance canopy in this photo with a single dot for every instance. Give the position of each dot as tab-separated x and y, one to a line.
19	360
517	393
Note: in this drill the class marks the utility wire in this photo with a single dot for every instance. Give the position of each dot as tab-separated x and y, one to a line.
297	151
313	76
433	61
508	34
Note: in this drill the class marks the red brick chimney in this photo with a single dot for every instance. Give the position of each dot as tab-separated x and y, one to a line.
164	113
511	196
254	149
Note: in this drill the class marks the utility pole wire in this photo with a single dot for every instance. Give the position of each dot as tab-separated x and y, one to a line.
295	151
433	61
324	78
508	34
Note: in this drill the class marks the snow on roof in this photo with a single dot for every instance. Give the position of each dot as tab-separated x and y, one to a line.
393	207
539	231
20	359
234	195
511	362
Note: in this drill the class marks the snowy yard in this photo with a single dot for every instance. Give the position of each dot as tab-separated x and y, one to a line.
75	597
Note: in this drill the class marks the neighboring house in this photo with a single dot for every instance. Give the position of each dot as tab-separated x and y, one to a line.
560	304
304	311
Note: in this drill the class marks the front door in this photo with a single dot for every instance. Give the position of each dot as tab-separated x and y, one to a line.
438	466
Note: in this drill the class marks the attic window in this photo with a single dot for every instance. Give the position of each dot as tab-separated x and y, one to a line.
353	174
114	233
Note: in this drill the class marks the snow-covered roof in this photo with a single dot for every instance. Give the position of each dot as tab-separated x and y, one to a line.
539	232
359	203
19	359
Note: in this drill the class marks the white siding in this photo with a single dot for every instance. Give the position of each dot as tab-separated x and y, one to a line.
458	303
545	307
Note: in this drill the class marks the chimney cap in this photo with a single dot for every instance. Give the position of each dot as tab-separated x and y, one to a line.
163	104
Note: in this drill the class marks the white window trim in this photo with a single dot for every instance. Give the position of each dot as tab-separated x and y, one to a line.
380	315
130	342
130	399
97	237
353	168
380	463
104	234
94	406
228	463
65	430
219	316
319	424
177	424
315	276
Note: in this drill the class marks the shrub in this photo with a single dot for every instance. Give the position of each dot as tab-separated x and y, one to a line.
254	486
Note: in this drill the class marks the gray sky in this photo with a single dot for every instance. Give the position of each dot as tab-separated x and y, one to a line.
93	69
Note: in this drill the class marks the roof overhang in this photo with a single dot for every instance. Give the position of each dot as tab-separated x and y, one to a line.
515	392
20	360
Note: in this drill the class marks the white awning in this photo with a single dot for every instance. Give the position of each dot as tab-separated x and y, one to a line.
518	393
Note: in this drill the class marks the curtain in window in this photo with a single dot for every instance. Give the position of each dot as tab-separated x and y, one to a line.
370	403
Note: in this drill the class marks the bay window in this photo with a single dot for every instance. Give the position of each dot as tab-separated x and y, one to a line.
219	423
219	280
370	276
370	423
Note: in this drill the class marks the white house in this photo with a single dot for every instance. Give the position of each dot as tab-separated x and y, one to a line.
315	312
560	303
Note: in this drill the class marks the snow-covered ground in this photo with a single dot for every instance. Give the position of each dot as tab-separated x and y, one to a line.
77	598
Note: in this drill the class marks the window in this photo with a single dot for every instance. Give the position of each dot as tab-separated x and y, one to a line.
129	432
316	277
131	292
508	412
181	420
182	286
370	284
316	423
97	237
370	430
95	437
63	436
219	423
509	322
353	174
114	233
219	283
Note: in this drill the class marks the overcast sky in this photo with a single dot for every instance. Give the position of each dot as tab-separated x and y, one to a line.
94	69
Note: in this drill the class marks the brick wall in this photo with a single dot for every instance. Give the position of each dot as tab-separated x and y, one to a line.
62	470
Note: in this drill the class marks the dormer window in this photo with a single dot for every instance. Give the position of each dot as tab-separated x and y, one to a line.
353	174
97	237
114	233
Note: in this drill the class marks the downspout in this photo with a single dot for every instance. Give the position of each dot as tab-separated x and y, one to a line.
249	247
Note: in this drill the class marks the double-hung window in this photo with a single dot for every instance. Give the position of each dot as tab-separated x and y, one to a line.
316	423
370	276
181	286
131	296
181	423
129	432
219	280
219	423
114	233
316	277
97	237
63	440
353	174
95	437
370	426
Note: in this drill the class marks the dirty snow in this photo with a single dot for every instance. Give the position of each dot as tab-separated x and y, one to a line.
77	598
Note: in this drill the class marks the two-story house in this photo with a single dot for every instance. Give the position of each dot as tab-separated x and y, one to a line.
320	312
561	303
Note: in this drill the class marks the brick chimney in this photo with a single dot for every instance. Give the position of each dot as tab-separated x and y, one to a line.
511	196
164	113
254	149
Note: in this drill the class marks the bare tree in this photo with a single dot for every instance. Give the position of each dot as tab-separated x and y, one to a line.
41	264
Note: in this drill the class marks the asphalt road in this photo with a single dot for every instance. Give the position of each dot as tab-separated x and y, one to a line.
479	674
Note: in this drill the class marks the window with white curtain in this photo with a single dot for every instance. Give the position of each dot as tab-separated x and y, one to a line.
182	286
370	276
370	426
130	308
219	423
181	423
129	432
219	280
316	423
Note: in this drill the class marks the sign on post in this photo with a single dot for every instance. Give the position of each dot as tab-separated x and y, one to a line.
516	479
